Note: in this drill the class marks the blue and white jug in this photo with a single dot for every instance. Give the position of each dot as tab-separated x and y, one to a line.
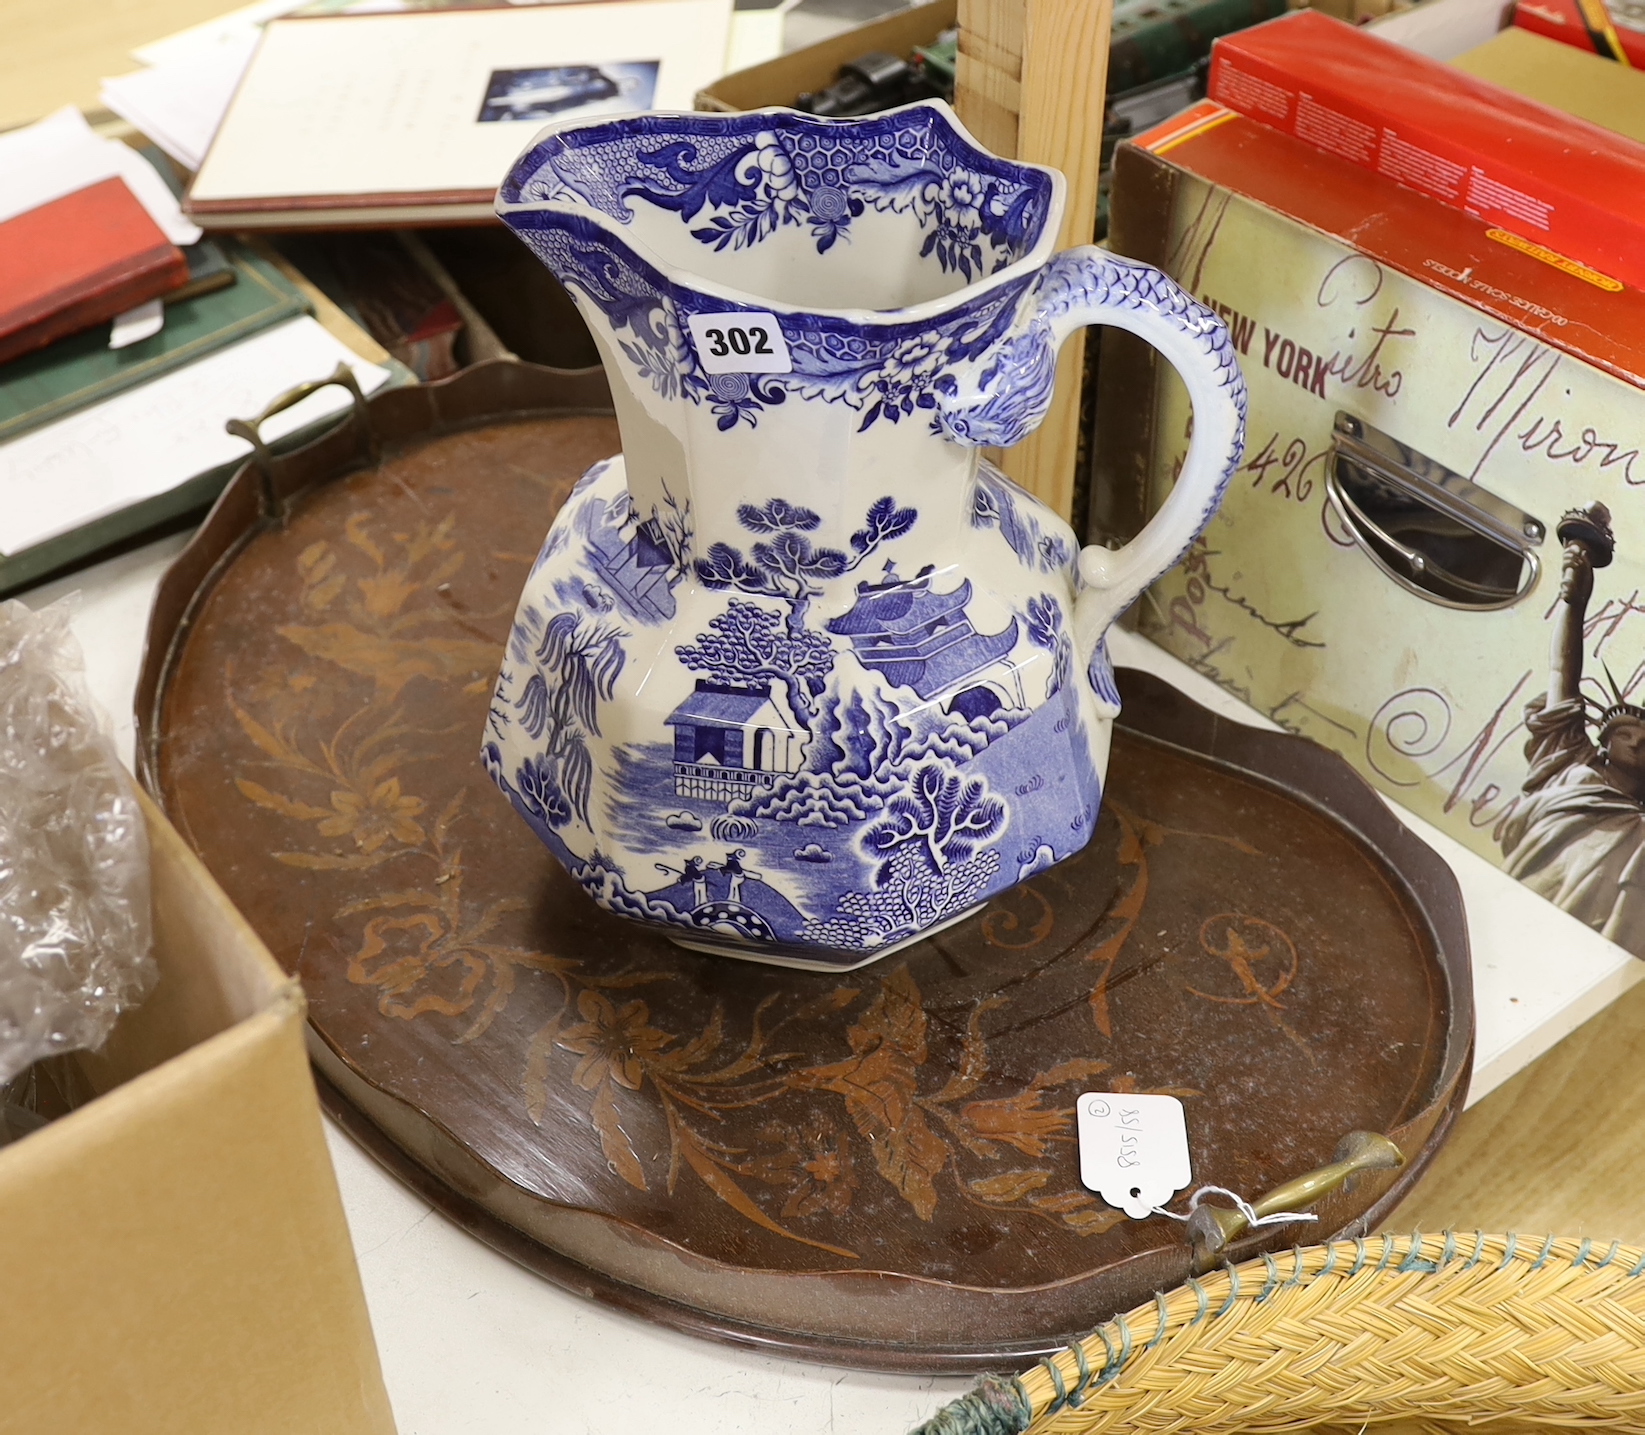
799	676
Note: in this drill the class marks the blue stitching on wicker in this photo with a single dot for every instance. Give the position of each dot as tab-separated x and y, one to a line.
1359	1257
1512	1251
1233	1293
1076	1396
1296	1266
1124	1355
1610	1255
1547	1251
1449	1254
1639	1269
1114	1360
1582	1252
1414	1260
1272	1281
995	1407
1159	1305
1330	1260
1201	1297
1061	1397
1387	1254
1479	1251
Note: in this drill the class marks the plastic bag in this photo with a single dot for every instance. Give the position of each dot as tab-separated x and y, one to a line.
74	863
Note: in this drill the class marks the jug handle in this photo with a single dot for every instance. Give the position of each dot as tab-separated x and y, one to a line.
1011	395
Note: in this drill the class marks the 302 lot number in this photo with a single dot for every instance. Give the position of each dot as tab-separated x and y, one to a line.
740	342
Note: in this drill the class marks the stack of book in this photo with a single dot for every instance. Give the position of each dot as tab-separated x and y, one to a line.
135	318
126	340
1435	287
87	233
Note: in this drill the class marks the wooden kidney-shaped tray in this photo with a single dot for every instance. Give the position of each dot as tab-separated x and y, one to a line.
875	1168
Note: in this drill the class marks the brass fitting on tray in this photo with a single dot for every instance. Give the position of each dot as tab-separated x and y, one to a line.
1212	1229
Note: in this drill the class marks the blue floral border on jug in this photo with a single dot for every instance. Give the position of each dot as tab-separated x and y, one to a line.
748	176
889	371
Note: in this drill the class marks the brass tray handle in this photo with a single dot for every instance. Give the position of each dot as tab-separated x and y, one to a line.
1212	1229
251	430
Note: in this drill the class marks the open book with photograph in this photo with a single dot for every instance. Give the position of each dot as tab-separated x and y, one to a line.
414	116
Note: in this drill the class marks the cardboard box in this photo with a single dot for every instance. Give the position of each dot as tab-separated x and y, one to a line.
176	1257
1500	386
1576	81
1615	31
783	80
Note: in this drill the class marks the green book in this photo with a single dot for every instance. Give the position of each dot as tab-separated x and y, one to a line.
82	370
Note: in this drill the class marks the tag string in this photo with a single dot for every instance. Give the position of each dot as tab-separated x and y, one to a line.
1245	1208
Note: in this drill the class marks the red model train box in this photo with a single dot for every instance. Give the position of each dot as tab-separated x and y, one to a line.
1536	172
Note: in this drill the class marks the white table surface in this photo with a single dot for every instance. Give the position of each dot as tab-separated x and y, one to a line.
470	1342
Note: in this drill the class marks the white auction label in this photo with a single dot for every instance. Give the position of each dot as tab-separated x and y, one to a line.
1133	1149
742	342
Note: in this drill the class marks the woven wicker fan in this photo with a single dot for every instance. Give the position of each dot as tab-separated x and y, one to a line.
1444	1328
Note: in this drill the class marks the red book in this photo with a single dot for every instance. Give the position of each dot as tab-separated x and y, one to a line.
1586	24
1553	180
79	261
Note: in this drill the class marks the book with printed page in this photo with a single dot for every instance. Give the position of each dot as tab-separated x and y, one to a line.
77	261
152	458
414	117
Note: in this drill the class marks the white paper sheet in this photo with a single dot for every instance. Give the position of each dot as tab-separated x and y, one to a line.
135	325
62	153
179	102
153	438
1444	29
756	35
232	29
375	104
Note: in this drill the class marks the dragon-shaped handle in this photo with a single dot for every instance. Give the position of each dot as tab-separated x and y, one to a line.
1006	394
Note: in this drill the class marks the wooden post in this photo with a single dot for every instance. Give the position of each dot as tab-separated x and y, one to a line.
1030	83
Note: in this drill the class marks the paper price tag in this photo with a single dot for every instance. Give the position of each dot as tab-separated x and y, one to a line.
1133	1149
743	341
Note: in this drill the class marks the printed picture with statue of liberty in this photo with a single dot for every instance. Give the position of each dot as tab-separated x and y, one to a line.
1575	834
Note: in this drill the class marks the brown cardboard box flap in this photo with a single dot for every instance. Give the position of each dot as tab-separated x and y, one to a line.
1598	90
178	1260
782	80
